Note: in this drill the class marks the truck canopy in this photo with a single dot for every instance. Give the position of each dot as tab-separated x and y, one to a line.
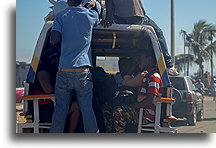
117	40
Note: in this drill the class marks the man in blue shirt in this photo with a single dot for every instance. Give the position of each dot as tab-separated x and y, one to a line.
73	29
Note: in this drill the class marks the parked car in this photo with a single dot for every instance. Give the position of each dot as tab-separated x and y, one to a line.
189	102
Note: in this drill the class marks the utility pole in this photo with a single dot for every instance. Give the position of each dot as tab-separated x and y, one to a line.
184	53
184	35
172	32
188	64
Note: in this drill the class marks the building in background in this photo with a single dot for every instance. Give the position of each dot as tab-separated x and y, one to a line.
21	73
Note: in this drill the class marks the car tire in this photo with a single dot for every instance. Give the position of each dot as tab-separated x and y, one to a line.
192	118
176	96
177	105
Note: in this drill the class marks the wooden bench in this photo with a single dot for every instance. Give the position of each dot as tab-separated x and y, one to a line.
35	124
157	127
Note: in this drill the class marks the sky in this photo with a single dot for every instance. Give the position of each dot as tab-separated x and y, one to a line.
30	14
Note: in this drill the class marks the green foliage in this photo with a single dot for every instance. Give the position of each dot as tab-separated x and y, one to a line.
200	47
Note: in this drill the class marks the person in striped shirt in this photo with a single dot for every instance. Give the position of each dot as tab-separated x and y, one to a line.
150	88
151	84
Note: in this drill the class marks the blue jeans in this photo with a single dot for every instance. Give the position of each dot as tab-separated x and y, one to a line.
147	21
66	82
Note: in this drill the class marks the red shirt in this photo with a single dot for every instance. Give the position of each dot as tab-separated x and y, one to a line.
153	86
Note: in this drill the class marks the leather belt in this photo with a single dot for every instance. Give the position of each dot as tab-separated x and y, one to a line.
81	69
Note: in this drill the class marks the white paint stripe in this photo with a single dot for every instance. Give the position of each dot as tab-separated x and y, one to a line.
157	75
154	84
149	120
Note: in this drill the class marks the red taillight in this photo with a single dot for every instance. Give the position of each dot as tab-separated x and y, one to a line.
188	96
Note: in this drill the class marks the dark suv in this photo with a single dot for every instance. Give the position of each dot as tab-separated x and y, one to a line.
189	102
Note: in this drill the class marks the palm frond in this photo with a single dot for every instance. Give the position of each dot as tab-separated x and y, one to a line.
200	45
208	48
181	61
205	54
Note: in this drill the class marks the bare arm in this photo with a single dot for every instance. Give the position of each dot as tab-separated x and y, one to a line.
134	81
45	81
55	37
92	5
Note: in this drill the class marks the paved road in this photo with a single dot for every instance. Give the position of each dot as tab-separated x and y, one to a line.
208	125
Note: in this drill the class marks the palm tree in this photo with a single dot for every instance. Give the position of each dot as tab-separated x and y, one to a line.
208	48
182	60
200	45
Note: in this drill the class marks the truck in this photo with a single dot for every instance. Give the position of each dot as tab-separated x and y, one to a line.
117	41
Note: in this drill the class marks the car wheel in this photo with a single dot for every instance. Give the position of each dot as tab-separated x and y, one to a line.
177	104
192	118
177	97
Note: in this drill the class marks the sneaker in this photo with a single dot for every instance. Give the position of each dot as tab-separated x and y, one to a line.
172	71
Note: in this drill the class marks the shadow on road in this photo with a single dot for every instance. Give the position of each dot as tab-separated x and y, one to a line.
183	122
209	119
178	123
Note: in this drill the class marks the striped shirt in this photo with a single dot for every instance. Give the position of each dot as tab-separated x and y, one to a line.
153	86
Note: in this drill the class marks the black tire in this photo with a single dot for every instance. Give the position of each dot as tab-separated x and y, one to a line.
192	118
177	97
177	105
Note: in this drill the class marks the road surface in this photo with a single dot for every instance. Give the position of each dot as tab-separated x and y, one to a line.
208	125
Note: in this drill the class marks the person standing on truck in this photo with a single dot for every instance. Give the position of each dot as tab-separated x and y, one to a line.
62	5
73	29
132	12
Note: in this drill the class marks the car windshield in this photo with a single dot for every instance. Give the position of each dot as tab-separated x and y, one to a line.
178	83
190	83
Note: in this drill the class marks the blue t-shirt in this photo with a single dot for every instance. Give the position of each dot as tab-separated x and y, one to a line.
75	25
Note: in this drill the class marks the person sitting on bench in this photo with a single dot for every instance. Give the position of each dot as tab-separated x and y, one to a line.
124	95
45	83
151	87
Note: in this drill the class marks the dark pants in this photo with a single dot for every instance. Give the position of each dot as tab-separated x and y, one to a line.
46	112
147	21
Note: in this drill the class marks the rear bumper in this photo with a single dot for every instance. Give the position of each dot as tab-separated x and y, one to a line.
183	110
189	108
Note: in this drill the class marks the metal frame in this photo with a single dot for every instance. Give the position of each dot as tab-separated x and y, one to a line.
157	127
36	125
